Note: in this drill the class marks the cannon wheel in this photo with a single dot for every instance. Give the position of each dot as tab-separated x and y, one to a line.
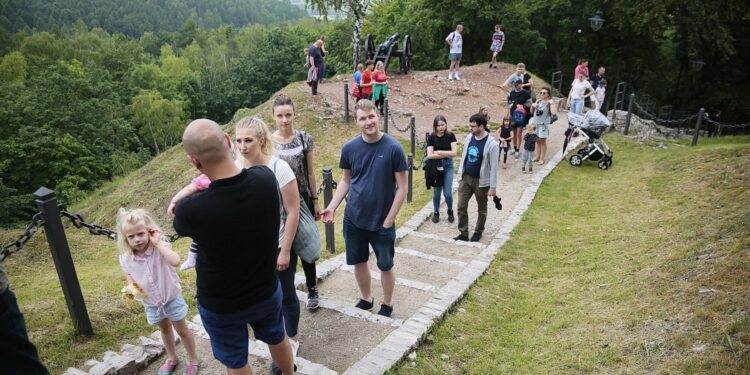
406	56
387	61
369	47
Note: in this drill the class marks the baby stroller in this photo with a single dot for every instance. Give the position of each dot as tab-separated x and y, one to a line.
591	125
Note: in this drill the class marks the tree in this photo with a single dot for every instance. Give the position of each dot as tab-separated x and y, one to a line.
157	118
13	68
356	9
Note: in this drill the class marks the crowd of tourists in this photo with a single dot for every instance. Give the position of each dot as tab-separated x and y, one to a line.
251	212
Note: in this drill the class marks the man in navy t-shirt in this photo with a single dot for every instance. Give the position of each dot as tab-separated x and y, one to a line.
477	173
374	175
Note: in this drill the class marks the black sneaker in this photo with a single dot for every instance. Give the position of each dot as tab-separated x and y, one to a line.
490	65
313	300
476	237
365	305
385	310
275	370
450	216
435	217
461	237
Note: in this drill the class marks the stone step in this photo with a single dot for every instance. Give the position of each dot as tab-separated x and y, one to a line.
342	286
440	246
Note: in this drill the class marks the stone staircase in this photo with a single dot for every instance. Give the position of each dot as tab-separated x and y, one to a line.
433	273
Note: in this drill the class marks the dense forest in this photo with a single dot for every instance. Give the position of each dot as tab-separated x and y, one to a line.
93	89
81	105
135	17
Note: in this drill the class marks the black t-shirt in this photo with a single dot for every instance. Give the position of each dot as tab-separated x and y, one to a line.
518	97
529	141
526	78
441	143
235	223
317	55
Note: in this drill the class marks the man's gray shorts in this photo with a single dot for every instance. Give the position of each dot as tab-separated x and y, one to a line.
454	56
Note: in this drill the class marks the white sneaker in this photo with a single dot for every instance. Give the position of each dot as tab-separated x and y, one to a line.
450	76
458	77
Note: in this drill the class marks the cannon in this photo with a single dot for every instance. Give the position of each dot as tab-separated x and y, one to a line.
387	50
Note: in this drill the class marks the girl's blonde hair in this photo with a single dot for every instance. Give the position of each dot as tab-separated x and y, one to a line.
132	217
481	111
261	131
379	64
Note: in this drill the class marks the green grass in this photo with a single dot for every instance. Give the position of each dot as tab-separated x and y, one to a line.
604	272
34	279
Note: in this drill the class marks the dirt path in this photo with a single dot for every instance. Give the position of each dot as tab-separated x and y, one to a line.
433	271
426	94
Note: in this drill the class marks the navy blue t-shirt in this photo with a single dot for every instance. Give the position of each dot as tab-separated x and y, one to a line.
372	185
474	156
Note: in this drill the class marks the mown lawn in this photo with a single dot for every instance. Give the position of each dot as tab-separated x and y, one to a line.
34	279
644	268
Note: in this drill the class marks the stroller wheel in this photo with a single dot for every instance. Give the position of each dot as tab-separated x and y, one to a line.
609	161
603	164
576	160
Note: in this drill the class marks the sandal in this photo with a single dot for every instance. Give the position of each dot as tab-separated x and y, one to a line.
168	367
192	368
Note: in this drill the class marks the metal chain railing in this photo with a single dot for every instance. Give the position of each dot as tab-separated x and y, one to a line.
77	220
12	247
395	125
664	122
723	125
423	146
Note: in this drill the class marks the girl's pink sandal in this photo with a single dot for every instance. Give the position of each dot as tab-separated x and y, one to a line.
192	368
168	367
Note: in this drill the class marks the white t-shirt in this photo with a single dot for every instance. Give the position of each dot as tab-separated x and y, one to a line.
456	42
600	93
284	175
578	89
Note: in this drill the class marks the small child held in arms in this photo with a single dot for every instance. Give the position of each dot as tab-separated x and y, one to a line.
199	183
148	263
529	145
505	137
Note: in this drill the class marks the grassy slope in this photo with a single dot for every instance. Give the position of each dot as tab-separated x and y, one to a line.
35	282
605	271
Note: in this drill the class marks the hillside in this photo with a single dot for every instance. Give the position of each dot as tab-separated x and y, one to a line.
151	187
